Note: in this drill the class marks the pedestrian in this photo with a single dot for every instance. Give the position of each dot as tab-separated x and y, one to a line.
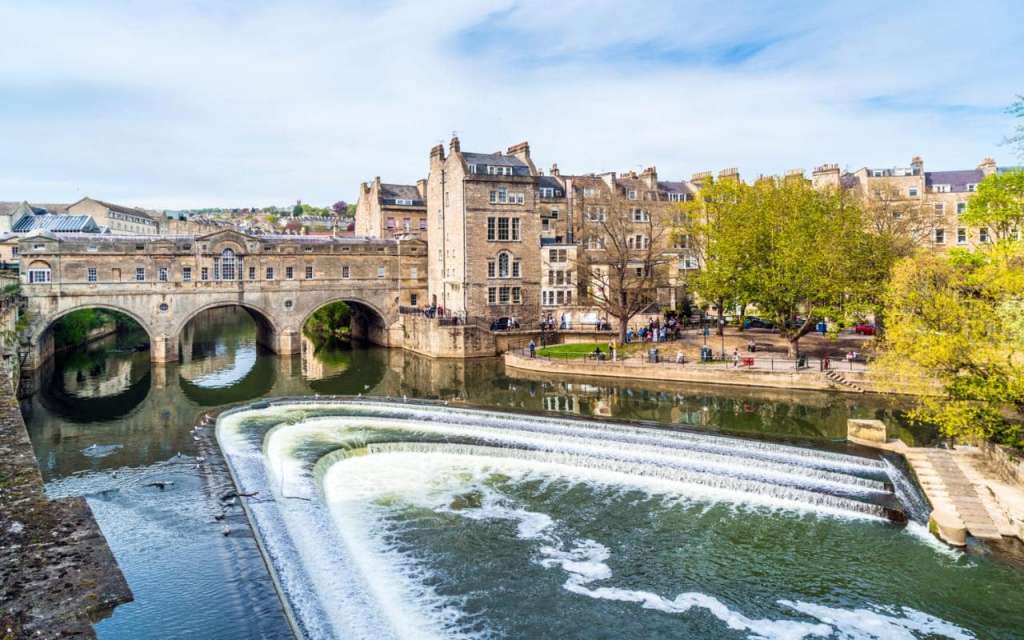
679	357
533	348
735	357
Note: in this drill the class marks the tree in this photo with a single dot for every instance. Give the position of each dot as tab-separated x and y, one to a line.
903	223
340	207
715	227
998	204
814	256
956	323
297	209
626	257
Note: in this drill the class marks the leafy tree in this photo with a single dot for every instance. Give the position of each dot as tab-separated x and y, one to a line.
328	323
340	207
998	204
956	324
297	209
812	256
903	223
717	229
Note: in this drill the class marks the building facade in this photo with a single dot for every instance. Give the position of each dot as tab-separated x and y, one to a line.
390	210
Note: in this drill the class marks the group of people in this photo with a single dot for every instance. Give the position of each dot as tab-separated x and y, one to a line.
655	331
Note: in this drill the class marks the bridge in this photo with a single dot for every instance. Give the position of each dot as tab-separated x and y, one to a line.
164	282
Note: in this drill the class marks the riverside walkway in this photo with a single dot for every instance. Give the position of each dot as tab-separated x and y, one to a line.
57	574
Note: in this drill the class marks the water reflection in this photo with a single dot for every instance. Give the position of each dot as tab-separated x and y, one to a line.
106	419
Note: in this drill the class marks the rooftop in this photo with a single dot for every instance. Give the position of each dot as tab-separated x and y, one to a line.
63	224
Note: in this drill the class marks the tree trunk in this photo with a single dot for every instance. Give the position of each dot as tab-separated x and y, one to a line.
793	347
622	330
743	317
721	319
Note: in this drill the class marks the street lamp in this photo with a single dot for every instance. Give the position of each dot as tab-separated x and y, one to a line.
721	332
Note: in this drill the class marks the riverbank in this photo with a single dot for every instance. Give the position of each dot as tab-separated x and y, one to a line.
761	373
58	574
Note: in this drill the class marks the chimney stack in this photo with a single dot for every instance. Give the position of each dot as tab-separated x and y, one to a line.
554	169
987	166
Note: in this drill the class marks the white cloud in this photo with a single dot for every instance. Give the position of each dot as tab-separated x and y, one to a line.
260	103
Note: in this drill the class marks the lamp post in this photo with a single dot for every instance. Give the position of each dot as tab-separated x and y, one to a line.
721	332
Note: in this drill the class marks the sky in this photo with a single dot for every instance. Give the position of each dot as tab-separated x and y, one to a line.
252	103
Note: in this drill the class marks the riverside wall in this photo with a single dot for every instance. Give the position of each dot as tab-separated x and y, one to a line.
57	574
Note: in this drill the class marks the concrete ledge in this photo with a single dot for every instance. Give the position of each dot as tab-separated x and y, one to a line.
867	430
702	374
57	574
948	526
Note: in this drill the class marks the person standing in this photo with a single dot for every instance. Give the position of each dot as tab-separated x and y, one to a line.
533	348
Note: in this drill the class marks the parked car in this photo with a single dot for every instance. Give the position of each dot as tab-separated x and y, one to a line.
865	329
504	324
757	323
795	323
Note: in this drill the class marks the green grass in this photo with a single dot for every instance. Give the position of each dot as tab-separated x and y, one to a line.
571	350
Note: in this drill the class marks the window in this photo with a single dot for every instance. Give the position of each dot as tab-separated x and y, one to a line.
186	274
492	295
406	224
289	273
390	224
38	247
596	214
682	242
972	187
270	273
413	299
595	242
161	274
472	168
423	224
678	197
414	272
983	235
554	214
308	249
641	215
499	196
961	208
381	271
557	255
39	274
90	274
590	193
204	273
499	171
940	188
961	236
309	272
939	208
912	192
940	236
503	295
503	265
517	295
345	271
252	273
140	274
631	194
515	228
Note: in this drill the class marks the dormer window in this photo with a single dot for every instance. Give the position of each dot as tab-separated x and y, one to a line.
940	188
972	187
472	168
499	171
631	194
405	201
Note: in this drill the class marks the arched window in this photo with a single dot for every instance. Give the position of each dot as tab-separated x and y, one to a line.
38	271
503	265
228	269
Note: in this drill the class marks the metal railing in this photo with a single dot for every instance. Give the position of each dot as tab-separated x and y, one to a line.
670	357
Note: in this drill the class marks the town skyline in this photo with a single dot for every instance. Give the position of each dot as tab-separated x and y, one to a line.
186	107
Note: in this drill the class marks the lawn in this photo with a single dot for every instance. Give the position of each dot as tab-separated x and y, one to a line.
571	350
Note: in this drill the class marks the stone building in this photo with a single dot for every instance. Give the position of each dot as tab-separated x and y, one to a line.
483	232
118	218
389	210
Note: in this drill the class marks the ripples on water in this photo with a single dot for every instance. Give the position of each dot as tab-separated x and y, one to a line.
110	426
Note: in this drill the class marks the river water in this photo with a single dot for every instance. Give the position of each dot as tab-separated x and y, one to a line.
486	547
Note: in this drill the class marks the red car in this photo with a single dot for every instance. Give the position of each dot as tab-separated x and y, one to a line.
865	329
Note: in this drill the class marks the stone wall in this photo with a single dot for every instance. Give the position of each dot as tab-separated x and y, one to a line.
56	570
428	337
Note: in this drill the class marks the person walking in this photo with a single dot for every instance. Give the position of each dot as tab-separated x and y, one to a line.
533	348
735	357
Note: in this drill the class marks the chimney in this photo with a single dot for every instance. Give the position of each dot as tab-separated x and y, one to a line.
609	179
824	176
437	151
521	151
700	178
987	166
554	169
421	187
917	165
650	176
453	146
730	172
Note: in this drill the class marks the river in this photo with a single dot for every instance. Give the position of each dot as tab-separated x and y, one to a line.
109	425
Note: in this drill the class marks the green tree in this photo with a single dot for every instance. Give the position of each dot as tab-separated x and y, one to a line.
998	204
813	256
297	209
716	227
328	323
956	324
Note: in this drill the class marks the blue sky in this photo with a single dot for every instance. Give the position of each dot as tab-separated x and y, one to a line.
182	104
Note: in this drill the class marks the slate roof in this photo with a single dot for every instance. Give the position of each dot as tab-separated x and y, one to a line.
681	186
550	182
65	224
132	211
493	159
957	180
400	192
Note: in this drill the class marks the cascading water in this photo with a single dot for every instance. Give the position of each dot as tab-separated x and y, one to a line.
410	520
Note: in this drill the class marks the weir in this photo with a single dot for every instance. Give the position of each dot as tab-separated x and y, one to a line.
291	451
